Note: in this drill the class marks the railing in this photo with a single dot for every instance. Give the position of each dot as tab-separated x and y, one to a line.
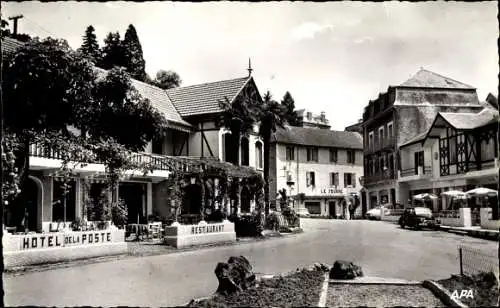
387	175
427	170
158	162
381	143
474	261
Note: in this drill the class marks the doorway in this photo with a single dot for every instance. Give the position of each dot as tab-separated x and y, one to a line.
134	195
31	209
332	209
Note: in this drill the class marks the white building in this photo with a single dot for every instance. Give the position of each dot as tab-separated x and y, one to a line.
317	167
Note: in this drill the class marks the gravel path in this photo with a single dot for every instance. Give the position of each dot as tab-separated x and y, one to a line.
344	295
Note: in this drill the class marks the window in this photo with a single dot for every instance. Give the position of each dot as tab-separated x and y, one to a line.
258	154
310	179
391	163
370	140
314	208
382	163
452	148
333	155
381	135
351	157
334	179
312	154
349	180
309	116
389	129
244	152
157	146
290	154
418	160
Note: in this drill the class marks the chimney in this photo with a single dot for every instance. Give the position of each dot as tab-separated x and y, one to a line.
323	116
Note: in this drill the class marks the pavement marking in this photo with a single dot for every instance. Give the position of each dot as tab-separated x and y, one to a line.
324	291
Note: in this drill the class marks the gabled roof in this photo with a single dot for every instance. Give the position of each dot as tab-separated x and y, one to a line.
318	137
427	79
10	45
470	120
159	100
416	139
204	98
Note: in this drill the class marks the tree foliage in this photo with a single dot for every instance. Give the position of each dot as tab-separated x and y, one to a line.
112	52
167	80
134	59
288	104
53	97
90	46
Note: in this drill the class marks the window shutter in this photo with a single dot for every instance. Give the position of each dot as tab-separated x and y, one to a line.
337	179
345	179
353	157
308	178
353	179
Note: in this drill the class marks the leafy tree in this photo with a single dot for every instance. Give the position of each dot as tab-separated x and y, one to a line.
112	52
271	115
134	59
167	79
288	104
5	28
49	88
90	46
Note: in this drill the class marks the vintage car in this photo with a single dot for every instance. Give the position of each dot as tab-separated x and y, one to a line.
418	218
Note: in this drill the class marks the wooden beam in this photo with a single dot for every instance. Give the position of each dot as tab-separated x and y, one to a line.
208	145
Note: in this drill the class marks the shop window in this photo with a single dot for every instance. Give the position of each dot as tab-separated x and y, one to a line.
314	208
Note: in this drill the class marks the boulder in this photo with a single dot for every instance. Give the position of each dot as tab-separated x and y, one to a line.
235	275
345	270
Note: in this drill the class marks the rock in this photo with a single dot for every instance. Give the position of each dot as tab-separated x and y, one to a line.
235	275
321	267
345	270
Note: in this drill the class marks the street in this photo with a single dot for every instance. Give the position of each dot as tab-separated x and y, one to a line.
381	248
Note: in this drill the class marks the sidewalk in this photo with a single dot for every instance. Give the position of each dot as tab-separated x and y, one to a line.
473	231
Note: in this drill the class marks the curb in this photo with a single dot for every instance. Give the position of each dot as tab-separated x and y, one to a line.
324	291
444	295
483	234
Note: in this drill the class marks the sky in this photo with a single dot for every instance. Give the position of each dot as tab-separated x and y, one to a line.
331	56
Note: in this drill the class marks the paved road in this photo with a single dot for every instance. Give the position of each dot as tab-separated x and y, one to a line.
381	248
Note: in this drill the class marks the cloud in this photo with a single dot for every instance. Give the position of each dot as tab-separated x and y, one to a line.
364	39
308	30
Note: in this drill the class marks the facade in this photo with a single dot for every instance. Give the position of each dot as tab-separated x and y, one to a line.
193	134
458	152
318	168
308	119
395	122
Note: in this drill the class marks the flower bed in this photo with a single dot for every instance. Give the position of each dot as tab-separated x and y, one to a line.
300	289
484	287
350	295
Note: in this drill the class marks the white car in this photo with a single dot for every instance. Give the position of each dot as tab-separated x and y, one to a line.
303	212
375	213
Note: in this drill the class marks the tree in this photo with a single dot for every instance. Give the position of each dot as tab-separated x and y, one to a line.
167	79
112	52
90	46
134	60
48	88
288	104
271	115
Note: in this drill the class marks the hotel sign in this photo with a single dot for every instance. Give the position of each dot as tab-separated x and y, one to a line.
57	240
331	191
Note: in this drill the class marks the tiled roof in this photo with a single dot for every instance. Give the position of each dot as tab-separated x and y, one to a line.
158	99
470	120
10	45
417	138
318	137
435	97
428	79
204	98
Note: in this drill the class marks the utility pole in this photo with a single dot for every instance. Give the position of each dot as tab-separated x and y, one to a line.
15	18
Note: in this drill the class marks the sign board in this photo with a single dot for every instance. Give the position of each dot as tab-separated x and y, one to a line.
331	191
207	229
58	240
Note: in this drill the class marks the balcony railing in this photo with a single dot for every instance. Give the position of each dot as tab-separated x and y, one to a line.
381	144
158	162
426	170
385	175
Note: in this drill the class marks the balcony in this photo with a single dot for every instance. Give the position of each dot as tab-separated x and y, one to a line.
43	158
422	172
381	176
381	144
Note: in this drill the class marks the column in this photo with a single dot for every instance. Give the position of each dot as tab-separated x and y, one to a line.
149	199
78	197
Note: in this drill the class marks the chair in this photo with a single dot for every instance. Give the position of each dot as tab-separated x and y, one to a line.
155	230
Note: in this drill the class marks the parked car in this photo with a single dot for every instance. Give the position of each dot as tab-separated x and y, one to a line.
418	217
303	212
375	213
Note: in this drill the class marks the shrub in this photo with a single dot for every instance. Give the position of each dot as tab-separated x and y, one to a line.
248	225
291	217
215	216
119	213
272	221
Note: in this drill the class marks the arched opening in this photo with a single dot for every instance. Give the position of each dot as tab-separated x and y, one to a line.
192	199
258	155
245	155
245	200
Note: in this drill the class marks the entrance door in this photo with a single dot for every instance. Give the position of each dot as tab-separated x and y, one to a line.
134	196
332	209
